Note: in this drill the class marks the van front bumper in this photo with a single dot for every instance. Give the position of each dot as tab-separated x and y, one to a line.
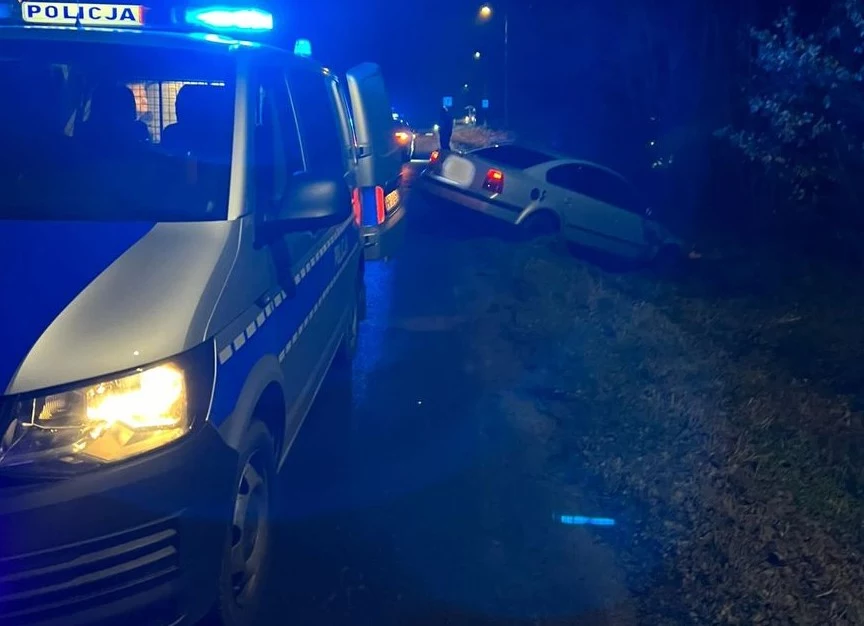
385	240
139	543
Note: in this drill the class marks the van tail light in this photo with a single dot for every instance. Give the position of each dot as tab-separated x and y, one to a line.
494	181
356	207
380	209
433	158
373	210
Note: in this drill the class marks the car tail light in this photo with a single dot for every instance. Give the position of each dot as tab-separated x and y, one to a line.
380	209
494	181
433	158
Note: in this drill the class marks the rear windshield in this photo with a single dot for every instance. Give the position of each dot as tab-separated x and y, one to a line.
114	132
514	156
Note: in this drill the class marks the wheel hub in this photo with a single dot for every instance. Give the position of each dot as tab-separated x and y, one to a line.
250	531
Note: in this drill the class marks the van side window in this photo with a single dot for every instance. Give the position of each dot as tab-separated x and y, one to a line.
278	155
323	145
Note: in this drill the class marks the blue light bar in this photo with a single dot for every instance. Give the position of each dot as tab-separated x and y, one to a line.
231	19
303	48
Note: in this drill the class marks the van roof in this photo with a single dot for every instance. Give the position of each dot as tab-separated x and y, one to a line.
208	42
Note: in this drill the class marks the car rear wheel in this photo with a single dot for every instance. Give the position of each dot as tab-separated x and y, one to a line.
247	557
541	224
667	256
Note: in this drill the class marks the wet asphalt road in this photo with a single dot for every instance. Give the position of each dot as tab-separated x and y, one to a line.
409	497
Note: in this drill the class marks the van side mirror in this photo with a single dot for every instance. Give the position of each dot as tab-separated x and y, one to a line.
309	203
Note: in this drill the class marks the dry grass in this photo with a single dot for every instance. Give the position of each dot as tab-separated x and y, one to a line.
473	137
747	474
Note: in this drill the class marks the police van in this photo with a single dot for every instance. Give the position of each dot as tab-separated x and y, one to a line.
180	265
379	166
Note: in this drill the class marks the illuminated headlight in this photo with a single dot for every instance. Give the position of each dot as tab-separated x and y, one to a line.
105	422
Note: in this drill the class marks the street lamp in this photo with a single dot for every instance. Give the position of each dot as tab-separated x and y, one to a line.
477	55
485	14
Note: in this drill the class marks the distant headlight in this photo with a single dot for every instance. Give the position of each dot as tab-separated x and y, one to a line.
100	423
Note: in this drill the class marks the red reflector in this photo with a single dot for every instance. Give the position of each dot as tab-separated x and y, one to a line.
356	206
380	209
434	156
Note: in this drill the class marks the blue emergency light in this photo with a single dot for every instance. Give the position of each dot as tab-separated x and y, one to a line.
242	18
303	48
230	19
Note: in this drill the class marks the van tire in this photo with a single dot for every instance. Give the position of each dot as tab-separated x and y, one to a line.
241	595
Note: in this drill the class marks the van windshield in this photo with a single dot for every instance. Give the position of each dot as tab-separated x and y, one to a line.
92	131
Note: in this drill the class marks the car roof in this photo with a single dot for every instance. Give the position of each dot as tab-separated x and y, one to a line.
555	158
204	42
525	146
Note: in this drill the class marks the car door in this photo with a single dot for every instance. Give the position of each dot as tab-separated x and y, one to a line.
278	159
380	160
326	154
297	134
599	208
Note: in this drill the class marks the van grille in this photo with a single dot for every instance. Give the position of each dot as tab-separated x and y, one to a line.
64	581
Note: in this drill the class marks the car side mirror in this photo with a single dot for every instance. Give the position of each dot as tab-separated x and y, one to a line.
309	203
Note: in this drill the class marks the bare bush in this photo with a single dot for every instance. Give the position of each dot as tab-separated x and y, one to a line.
473	137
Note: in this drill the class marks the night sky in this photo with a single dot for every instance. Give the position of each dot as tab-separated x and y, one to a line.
583	76
425	48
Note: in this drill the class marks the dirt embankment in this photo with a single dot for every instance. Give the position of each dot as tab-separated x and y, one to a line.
745	476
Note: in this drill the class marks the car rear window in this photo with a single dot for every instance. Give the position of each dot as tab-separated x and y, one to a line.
514	156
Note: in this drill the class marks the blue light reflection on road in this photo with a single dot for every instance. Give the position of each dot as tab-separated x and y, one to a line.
379	295
581	520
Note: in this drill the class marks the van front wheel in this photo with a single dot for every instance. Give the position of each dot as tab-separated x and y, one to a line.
247	556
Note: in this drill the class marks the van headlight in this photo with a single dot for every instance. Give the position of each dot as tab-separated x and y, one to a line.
100	423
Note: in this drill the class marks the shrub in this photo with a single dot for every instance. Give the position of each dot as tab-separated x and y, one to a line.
473	137
805	113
